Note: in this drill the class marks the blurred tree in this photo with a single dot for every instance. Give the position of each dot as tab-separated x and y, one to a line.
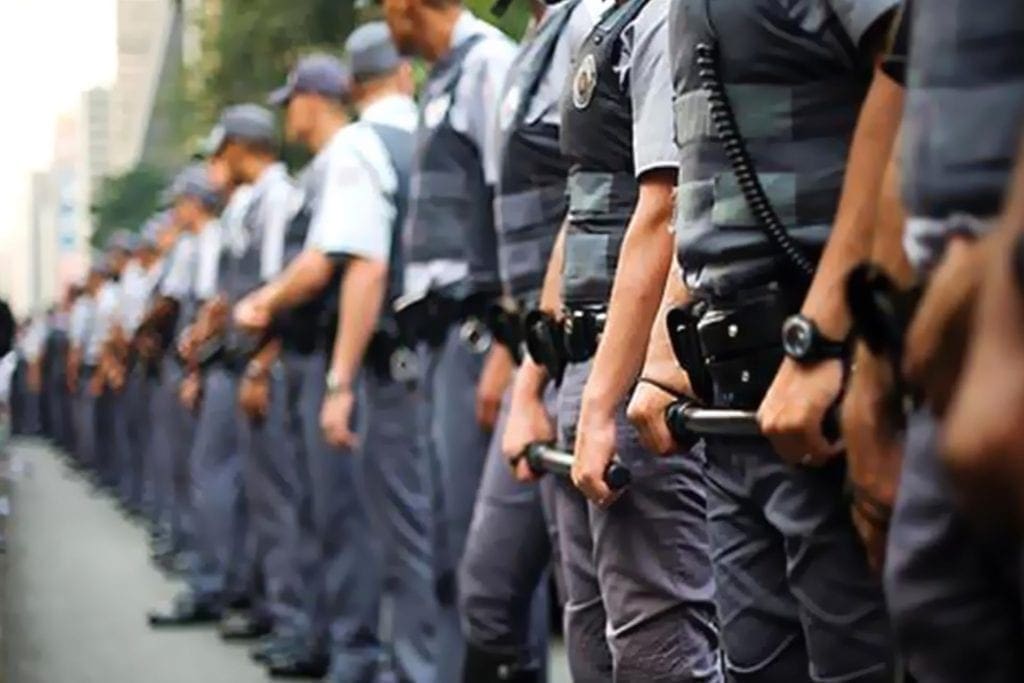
126	201
515	19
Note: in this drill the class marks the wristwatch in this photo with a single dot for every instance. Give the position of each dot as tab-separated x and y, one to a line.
335	385
804	343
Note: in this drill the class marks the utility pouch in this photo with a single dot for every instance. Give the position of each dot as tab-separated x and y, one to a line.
545	343
507	328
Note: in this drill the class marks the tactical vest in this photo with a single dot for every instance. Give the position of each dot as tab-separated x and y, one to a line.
965	104
597	139
451	212
399	145
531	201
241	273
795	83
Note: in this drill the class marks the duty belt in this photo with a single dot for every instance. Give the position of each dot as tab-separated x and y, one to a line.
429	317
556	343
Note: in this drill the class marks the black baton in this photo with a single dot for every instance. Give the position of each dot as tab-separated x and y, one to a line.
543	458
689	422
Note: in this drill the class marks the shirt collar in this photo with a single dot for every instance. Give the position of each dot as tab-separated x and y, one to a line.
465	28
386	108
270	174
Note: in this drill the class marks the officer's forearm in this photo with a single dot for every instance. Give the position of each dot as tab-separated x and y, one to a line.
851	238
887	244
551	292
363	288
661	364
303	279
644	264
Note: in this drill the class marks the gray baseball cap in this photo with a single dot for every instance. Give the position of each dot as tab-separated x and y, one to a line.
371	51
123	240
246	123
321	74
99	264
194	181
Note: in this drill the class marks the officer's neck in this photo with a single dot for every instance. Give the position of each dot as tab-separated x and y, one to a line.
374	95
329	124
438	28
254	166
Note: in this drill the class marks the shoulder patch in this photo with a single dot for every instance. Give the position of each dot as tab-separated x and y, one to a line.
584	82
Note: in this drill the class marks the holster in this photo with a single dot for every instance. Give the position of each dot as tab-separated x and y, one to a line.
545	342
731	349
583	328
507	326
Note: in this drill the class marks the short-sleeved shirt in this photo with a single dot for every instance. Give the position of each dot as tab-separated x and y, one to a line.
232	216
82	312
179	277
272	204
32	342
108	315
795	74
645	67
962	119
134	295
544	105
355	211
209	243
477	96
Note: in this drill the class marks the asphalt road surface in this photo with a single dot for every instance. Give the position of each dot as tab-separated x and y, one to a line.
79	584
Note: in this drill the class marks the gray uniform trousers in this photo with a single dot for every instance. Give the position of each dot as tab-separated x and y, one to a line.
457	449
503	588
136	405
348	555
396	476
217	490
61	429
954	596
85	420
796	599
175	427
118	405
153	502
638	575
280	538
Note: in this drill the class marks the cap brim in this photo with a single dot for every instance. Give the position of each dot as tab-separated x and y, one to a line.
280	97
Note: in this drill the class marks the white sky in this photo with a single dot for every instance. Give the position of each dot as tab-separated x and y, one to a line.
50	51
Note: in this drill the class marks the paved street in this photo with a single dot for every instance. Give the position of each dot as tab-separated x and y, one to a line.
79	585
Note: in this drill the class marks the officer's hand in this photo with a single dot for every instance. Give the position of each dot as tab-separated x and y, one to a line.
528	423
96	384
983	438
116	376
873	450
252	313
594	451
336	419
937	338
186	342
793	410
494	380
189	391
647	413
254	396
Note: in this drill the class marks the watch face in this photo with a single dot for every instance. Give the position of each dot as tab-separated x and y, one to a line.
797	337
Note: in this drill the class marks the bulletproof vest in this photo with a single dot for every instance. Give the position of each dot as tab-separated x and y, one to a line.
241	273
795	82
531	200
964	107
451	210
597	139
399	145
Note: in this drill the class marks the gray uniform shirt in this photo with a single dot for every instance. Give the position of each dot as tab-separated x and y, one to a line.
180	276
107	315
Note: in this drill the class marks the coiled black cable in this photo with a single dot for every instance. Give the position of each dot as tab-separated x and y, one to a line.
724	120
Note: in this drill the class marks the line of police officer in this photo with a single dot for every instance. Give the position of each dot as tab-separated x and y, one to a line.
321	398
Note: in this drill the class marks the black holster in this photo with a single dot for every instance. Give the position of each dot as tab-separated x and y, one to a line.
545	342
507	326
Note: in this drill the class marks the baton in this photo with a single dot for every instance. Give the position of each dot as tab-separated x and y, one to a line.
689	422
543	458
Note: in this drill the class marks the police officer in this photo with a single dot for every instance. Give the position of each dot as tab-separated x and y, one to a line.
774	91
191	199
451	270
945	572
616	133
109	336
343	576
374	161
247	530
57	346
495	591
30	352
81	365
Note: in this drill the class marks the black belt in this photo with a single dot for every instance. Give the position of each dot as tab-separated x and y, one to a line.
428	318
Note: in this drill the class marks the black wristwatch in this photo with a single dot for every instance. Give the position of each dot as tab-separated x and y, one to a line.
804	343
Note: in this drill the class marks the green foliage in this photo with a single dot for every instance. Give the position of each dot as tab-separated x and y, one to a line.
515	19
126	201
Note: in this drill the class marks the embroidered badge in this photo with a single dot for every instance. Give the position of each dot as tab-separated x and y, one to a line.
584	83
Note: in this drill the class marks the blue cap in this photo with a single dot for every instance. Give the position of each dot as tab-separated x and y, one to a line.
99	264
371	51
194	181
243	122
320	74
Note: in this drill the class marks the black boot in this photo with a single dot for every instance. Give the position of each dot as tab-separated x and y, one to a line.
482	666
